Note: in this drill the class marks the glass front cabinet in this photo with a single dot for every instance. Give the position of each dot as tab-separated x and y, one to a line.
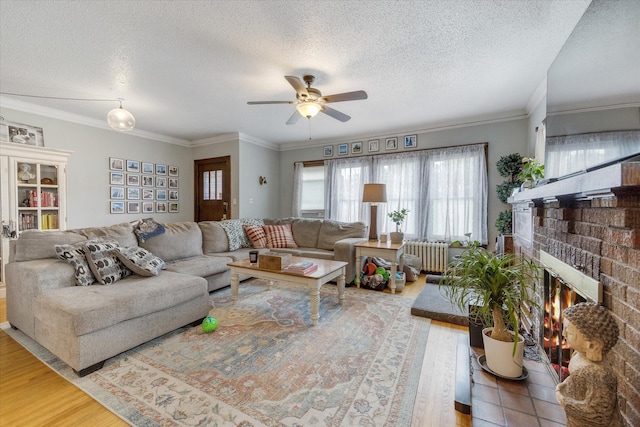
32	192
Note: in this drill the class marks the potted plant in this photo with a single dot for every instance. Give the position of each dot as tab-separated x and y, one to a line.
496	285
531	172
398	218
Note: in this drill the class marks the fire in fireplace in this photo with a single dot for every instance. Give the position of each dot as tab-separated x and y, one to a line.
563	287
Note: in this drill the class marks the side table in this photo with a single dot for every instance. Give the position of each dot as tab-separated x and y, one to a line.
387	250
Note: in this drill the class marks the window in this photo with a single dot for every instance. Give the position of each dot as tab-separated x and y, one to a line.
312	197
212	185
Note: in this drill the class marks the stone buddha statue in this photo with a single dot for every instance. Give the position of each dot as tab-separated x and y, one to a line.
589	395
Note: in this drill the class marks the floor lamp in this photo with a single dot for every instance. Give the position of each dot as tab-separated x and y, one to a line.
374	194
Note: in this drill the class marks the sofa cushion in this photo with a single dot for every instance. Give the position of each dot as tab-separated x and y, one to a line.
257	236
214	238
98	307
305	232
332	231
279	236
140	260
34	244
74	255
201	266
104	263
122	233
179	240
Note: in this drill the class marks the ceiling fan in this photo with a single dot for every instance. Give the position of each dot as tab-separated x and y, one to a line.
310	100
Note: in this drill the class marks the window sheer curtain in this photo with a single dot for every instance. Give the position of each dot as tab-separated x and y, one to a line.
296	209
572	153
456	193
402	175
344	182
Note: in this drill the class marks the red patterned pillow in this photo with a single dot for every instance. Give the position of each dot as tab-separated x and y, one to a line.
256	235
279	236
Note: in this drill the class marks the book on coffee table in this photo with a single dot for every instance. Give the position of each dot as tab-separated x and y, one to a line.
302	267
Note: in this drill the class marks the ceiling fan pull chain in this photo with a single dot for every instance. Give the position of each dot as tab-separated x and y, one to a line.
309	127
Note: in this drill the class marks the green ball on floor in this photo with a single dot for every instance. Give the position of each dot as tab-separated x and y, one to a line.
209	324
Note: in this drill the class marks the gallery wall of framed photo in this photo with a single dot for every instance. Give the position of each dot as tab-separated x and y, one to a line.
371	146
137	187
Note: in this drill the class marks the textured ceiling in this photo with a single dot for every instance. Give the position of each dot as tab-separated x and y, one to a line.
186	69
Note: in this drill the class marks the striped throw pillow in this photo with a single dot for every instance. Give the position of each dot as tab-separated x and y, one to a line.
279	236
257	236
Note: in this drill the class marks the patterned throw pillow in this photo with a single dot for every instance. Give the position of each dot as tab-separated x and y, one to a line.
256	235
104	263
279	236
235	234
75	256
140	260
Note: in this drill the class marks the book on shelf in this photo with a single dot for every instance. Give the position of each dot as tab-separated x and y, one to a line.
302	267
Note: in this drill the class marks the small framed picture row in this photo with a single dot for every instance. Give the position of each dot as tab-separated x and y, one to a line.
373	146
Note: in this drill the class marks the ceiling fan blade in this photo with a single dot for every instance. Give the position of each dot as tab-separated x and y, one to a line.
297	85
347	96
270	102
294	118
335	114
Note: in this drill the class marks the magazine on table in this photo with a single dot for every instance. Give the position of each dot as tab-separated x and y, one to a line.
302	267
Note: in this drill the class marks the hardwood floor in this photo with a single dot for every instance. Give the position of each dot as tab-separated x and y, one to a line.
31	394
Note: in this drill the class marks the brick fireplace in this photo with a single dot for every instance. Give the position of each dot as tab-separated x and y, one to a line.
591	223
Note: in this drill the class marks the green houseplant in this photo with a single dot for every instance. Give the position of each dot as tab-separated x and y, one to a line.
496	285
398	217
531	171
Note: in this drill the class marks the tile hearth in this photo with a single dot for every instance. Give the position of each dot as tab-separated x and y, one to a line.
499	402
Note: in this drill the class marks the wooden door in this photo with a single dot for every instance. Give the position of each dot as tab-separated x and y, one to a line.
213	189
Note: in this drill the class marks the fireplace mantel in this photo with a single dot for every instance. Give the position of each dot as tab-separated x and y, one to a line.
607	181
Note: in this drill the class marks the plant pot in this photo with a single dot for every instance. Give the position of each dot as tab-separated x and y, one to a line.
396	237
475	328
500	357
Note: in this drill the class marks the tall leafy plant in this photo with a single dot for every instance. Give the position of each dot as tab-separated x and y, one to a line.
496	284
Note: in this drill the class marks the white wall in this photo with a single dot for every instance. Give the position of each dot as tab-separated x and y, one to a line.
255	200
503	138
88	168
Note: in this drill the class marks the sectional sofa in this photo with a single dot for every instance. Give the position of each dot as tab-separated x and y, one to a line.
85	325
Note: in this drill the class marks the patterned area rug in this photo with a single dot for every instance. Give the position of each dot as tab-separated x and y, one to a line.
266	366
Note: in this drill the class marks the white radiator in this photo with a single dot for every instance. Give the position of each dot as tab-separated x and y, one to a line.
432	254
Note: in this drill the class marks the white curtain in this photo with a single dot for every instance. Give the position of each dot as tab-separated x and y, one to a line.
296	209
541	135
573	153
456	191
344	182
402	175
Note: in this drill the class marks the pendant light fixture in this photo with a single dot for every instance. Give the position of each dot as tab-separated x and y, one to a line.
118	118
309	109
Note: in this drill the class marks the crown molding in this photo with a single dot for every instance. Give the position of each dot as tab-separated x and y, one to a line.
53	113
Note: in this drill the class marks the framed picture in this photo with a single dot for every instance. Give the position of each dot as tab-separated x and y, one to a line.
173	182
133	207
21	134
343	150
117	192
133	193
147	194
147	168
133	166
133	179
161	169
173	194
327	151
147	207
147	181
391	144
116	178
116	164
117	207
161	194
161	181
161	207
374	145
410	141
173	171
356	147
173	207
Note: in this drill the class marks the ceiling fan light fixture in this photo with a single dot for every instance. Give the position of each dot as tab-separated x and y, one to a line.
120	119
309	109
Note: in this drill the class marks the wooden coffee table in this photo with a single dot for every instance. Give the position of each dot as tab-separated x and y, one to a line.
327	271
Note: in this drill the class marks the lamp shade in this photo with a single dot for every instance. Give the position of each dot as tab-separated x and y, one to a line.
374	193
309	109
121	119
